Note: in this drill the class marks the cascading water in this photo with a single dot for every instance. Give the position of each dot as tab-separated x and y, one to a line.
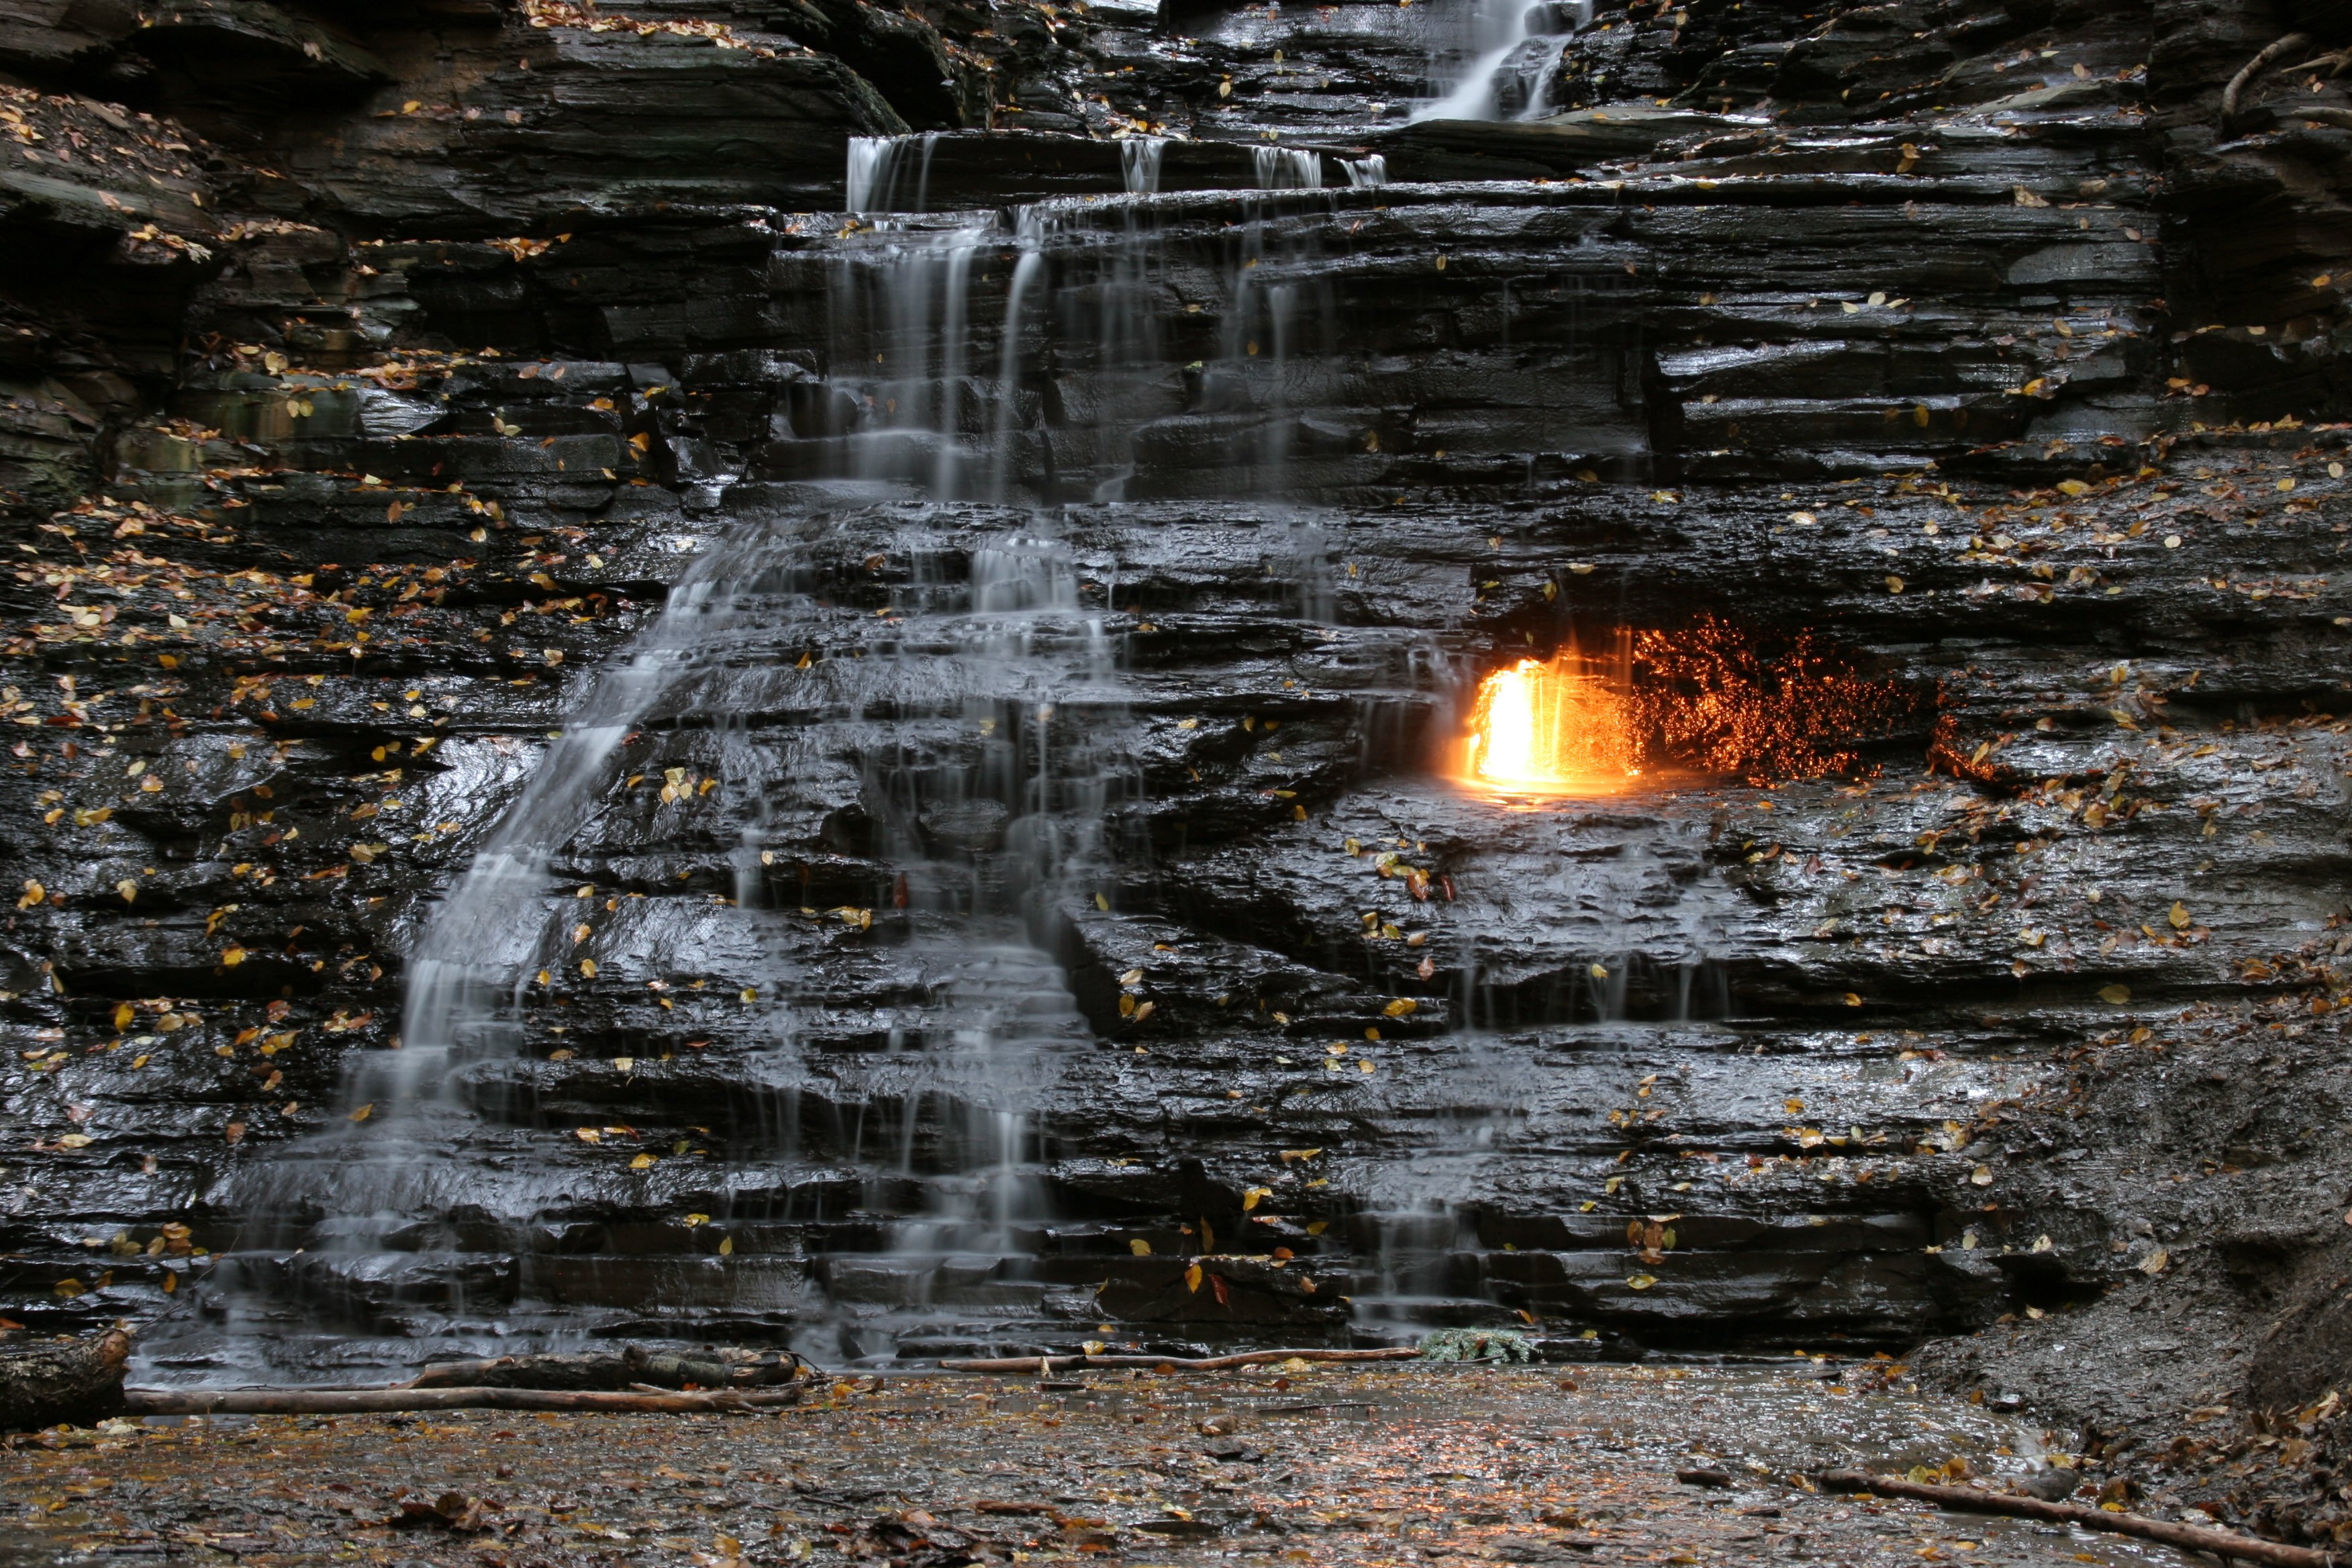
877	168
1139	164
1287	169
1513	51
898	652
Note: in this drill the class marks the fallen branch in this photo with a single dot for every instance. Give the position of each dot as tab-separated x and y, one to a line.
2271	54
2188	1537
630	1368
355	1401
1044	1367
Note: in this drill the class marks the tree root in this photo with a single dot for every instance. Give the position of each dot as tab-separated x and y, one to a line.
1044	1367
2271	54
2188	1537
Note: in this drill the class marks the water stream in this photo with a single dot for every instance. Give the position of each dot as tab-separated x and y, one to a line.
914	631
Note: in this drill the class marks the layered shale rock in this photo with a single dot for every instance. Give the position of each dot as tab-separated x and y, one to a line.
606	747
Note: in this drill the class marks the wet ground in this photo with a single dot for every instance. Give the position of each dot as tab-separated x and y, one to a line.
1284	1464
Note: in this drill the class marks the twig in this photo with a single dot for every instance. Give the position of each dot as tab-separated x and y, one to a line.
349	1401
1305	1409
1044	1366
2271	54
2188	1537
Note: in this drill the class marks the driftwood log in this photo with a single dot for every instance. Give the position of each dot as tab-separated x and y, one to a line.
631	1368
365	1401
49	1381
1044	1367
2188	1537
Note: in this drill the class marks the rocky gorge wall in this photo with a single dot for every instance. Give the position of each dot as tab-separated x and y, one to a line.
949	934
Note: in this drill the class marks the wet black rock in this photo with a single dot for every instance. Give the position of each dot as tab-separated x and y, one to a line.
606	748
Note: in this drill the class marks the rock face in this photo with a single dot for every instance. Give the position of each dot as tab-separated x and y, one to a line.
609	748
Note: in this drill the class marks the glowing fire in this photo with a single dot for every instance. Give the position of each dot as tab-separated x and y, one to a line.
1550	729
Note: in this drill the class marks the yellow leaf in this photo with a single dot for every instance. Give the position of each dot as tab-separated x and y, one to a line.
642	1163
1894	584
1851	1000
2116	994
1253	1195
1126	1005
123	1014
1981	1176
1401	1007
2154	1261
231	957
1640	1281
128	890
587	1135
693	1220
1138	1245
726	1244
1292	1155
74	1140
1102	903
68	1287
364	1111
1192	1279
2179	917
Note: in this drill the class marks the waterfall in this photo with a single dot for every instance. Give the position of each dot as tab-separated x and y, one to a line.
972	717
872	162
902	318
1515	51
1372	170
876	166
1139	164
1287	169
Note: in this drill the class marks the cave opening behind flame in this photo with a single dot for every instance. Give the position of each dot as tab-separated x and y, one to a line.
1704	699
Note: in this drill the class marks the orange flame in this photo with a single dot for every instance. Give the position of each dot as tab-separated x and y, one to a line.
1550	729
